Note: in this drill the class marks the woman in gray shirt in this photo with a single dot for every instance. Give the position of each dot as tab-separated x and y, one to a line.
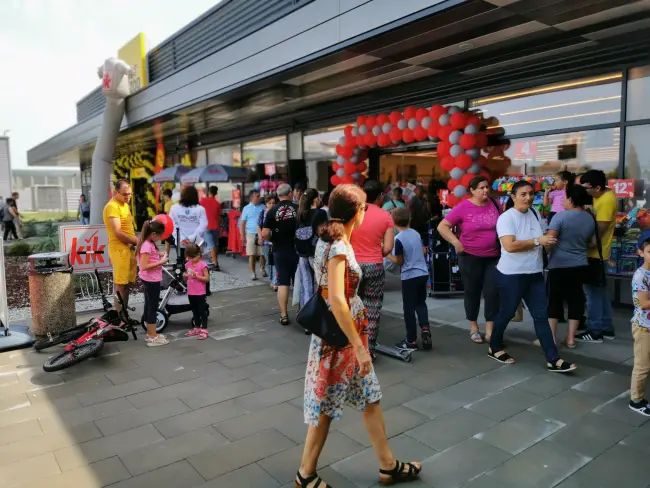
567	264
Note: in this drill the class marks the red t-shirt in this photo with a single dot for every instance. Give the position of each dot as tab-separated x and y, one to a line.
213	211
368	239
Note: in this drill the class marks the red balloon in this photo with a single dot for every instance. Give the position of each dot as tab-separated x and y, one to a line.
361	120
335	180
395	117
338	149
384	140
347	152
395	134
474	120
447	163
437	110
444	132
348	131
350	141
421	113
451	184
409	113
434	129
349	168
482	161
443	149
369	139
466	179
347	180
458	120
166	220
408	136
336	167
481	140
421	134
467	141
464	161
452	200
371	121
382	119
361	167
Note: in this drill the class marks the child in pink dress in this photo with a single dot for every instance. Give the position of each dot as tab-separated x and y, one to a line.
554	195
197	275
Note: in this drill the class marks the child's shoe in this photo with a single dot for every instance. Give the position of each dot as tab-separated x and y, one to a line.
640	407
202	335
193	332
407	346
426	338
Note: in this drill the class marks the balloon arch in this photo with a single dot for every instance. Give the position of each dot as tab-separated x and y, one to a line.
462	138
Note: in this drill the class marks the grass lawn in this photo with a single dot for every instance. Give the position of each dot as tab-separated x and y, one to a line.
41	216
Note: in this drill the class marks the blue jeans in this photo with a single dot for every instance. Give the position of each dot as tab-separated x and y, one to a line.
599	309
530	288
270	269
84	220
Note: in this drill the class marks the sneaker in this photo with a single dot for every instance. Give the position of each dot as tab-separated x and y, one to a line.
193	332
427	343
610	335
589	337
640	407
407	346
253	277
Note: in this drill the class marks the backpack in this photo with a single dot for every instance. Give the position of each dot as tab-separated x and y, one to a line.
305	240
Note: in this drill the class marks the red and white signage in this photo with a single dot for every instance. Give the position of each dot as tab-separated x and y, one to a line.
87	246
269	169
525	149
236	198
622	188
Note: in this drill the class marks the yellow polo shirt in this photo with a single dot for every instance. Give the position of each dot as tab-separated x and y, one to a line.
605	209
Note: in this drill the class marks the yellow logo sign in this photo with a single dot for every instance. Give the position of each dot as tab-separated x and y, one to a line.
133	52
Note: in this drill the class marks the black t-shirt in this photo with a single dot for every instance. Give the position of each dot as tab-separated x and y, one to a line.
282	220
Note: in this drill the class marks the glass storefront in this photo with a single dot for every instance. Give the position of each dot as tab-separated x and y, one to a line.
320	151
267	164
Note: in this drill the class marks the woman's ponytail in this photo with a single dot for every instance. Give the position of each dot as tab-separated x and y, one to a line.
144	234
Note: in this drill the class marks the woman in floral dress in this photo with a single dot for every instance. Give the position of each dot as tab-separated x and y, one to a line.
344	376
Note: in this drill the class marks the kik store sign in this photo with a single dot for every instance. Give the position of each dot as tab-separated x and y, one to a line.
87	246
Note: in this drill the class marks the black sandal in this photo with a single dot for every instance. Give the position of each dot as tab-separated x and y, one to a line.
398	475
284	320
504	358
565	367
301	482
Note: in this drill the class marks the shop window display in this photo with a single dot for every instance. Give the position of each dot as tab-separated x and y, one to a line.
638	86
266	163
319	152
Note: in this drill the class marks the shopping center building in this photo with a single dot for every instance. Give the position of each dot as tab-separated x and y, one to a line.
270	84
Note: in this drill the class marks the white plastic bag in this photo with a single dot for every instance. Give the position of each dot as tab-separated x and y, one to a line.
391	267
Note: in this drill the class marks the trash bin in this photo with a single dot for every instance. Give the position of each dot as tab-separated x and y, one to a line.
51	293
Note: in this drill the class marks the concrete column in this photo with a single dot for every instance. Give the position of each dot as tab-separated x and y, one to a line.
294	145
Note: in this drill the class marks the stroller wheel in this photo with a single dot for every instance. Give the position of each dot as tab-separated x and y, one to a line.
162	319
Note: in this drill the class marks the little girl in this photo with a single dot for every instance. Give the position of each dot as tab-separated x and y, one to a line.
197	277
151	262
555	198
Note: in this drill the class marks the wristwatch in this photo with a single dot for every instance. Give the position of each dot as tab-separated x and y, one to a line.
536	242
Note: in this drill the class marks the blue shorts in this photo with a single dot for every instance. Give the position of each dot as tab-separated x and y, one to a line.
211	238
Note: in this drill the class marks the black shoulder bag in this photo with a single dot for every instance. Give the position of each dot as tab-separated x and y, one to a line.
595	274
316	317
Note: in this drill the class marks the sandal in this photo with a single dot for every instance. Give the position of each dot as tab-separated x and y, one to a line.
314	481
504	358
475	335
159	340
284	320
561	366
398	475
192	332
203	334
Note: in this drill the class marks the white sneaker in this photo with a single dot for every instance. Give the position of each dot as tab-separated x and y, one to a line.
253	277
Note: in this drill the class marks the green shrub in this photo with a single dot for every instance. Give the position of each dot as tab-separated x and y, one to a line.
19	249
46	244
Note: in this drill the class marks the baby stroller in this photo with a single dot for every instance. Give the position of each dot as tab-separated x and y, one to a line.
174	293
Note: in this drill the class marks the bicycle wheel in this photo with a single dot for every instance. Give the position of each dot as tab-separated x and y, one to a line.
70	358
64	337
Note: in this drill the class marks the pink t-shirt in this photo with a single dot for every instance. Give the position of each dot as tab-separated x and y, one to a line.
557	199
194	286
478	227
368	239
155	274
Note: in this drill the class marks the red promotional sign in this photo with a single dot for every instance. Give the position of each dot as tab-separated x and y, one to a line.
622	188
525	149
443	194
269	169
236	198
87	246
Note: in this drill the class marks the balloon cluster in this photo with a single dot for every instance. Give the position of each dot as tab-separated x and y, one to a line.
461	135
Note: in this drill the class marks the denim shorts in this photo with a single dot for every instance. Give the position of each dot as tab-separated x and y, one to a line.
211	238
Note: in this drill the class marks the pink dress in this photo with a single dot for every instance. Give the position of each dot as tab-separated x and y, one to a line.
195	287
152	275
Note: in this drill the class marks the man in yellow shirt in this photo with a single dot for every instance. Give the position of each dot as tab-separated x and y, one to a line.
599	308
121	239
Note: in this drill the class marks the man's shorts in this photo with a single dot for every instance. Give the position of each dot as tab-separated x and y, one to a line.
211	238
252	249
123	261
286	263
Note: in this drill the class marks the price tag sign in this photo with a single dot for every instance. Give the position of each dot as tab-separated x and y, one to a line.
269	169
443	194
622	188
525	149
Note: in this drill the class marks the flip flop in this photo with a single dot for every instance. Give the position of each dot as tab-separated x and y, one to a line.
475	336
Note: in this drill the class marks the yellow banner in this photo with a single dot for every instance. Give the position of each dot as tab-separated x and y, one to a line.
139	173
133	52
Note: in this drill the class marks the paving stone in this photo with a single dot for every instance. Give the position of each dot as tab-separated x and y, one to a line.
197	419
547	385
52	441
13	401
97	411
396	395
252	423
486	481
250	358
19	431
218	461
178	390
142	416
636	439
95	475
28	471
251	476
444	401
148	458
362	469
499	379
437	379
281	376
272	396
69	389
397	420
283	466
545	464
113	392
567	406
592	435
287	361
233	375
105	447
619	409
217	394
519	432
450	429
505	404
604	386
176	475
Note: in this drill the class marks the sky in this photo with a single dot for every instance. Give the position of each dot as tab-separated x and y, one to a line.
50	51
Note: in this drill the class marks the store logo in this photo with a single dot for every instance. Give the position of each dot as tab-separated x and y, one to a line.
89	249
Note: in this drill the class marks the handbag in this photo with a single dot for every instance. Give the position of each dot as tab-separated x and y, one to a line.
316	317
595	272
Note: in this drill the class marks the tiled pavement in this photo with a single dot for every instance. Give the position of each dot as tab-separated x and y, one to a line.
226	412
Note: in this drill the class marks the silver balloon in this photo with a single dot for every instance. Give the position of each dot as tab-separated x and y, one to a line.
454	137
363	130
341	141
355	131
356	175
426	122
474	169
444	119
376	130
387	127
413	124
460	191
454	109
456	150
471	129
340	159
473	153
340	173
402	124
354	159
456	173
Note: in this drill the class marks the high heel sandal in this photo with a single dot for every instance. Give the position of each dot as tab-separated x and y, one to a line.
398	475
301	482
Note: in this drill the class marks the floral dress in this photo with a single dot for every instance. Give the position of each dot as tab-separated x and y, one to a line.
332	379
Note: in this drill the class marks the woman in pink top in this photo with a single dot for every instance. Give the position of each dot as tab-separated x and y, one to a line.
151	263
478	251
371	241
554	195
197	276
